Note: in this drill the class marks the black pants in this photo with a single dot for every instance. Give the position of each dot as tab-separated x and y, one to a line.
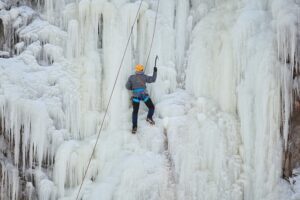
135	111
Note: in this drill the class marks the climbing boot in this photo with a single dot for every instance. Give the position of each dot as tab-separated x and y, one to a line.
134	129
150	121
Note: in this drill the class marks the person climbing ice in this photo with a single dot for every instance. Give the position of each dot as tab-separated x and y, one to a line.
137	83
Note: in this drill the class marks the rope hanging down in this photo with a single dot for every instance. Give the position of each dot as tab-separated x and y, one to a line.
116	79
154	29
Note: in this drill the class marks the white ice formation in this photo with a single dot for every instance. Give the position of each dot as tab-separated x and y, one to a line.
223	99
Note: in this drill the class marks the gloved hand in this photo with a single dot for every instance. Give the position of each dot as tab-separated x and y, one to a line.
155	69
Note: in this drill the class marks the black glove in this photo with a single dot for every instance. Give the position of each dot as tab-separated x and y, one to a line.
155	69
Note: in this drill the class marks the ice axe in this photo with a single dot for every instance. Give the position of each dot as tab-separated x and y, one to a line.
156	58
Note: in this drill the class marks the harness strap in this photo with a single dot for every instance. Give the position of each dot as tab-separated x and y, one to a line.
138	90
146	99
137	99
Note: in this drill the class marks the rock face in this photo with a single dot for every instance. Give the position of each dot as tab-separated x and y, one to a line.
2	40
292	154
295	139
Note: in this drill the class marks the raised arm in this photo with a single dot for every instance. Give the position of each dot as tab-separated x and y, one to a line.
151	79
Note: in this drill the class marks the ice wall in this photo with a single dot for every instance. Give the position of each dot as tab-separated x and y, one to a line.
239	51
218	138
206	158
75	53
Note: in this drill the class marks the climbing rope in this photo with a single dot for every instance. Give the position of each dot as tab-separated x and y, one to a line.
116	79
154	30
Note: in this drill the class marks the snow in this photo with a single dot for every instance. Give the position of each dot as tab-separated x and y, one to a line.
223	89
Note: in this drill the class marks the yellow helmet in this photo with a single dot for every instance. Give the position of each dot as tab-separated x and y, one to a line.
139	68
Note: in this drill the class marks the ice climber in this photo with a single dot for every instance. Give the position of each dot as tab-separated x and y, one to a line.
137	83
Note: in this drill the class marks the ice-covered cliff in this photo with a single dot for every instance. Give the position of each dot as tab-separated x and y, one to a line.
223	97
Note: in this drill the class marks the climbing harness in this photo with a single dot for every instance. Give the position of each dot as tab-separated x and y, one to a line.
115	82
139	95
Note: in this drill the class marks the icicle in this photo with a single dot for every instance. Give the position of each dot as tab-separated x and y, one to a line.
9	181
73	48
70	163
182	10
46	190
286	15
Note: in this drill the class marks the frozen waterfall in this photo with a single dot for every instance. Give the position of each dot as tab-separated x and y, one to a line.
224	97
